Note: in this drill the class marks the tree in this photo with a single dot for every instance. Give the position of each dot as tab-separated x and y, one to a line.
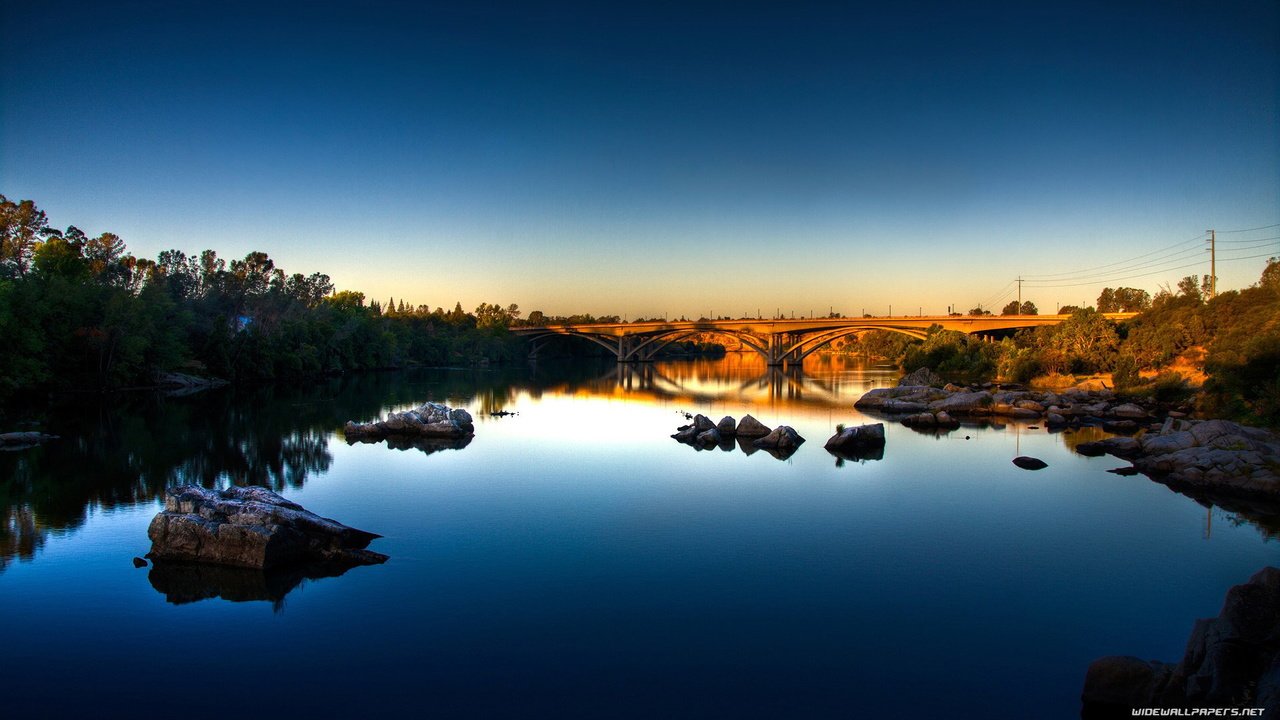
346	300
1068	309
972	311
23	226
1189	287
1087	339
1270	279
1125	299
1011	308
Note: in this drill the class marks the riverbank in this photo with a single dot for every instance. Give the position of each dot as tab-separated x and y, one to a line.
1202	458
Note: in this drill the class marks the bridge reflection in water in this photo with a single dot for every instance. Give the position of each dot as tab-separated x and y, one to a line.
742	379
780	342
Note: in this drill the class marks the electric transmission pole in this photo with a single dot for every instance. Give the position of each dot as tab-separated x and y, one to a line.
1019	296
1213	265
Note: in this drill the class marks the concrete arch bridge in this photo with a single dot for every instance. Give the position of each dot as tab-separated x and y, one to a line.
779	342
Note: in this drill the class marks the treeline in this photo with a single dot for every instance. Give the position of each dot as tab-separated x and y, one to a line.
81	312
1233	337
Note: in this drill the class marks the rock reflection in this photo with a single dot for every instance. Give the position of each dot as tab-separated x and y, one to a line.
425	445
183	583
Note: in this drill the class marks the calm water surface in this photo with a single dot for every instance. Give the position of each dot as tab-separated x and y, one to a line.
574	561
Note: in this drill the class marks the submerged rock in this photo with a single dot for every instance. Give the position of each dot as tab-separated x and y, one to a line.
1030	463
251	527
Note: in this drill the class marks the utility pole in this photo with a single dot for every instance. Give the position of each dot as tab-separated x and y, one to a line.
1213	265
1019	296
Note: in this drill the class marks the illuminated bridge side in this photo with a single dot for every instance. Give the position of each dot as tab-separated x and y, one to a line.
779	342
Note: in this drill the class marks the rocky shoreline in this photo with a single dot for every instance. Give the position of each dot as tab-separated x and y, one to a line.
1199	457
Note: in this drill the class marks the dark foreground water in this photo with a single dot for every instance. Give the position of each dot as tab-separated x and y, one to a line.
574	561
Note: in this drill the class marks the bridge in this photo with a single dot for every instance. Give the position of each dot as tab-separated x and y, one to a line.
780	342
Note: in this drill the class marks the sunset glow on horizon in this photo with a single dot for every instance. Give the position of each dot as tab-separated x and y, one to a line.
663	160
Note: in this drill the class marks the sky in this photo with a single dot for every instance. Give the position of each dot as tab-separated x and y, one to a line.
661	158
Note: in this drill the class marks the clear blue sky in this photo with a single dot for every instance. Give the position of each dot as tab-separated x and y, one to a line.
650	157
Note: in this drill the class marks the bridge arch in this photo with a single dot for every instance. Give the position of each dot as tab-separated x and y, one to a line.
811	344
647	349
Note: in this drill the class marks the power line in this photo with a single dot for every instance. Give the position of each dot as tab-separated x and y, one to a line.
1251	240
1156	272
1109	275
1264	227
1163	250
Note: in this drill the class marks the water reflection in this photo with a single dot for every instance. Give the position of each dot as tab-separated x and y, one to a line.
183	583
122	451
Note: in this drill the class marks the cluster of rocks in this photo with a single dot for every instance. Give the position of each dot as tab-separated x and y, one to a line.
1202	455
251	527
23	440
431	420
703	432
1232	660
922	403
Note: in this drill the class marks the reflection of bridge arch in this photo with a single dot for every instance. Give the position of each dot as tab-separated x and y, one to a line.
774	382
780	342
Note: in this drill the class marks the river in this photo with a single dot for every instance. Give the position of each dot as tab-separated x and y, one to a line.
573	560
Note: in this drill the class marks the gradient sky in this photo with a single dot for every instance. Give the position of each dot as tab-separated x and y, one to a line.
656	158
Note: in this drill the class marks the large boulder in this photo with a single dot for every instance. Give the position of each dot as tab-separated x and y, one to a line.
727	426
1231	661
251	527
750	427
964	403
783	437
853	439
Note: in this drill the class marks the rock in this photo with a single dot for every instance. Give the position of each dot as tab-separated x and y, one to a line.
964	403
783	437
1231	661
703	423
1116	685
709	437
686	434
727	426
1030	463
1013	411
1125	427
1054	420
903	406
431	420
251	527
139	562
1129	410
1092	449
923	376
23	440
853	439
750	427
